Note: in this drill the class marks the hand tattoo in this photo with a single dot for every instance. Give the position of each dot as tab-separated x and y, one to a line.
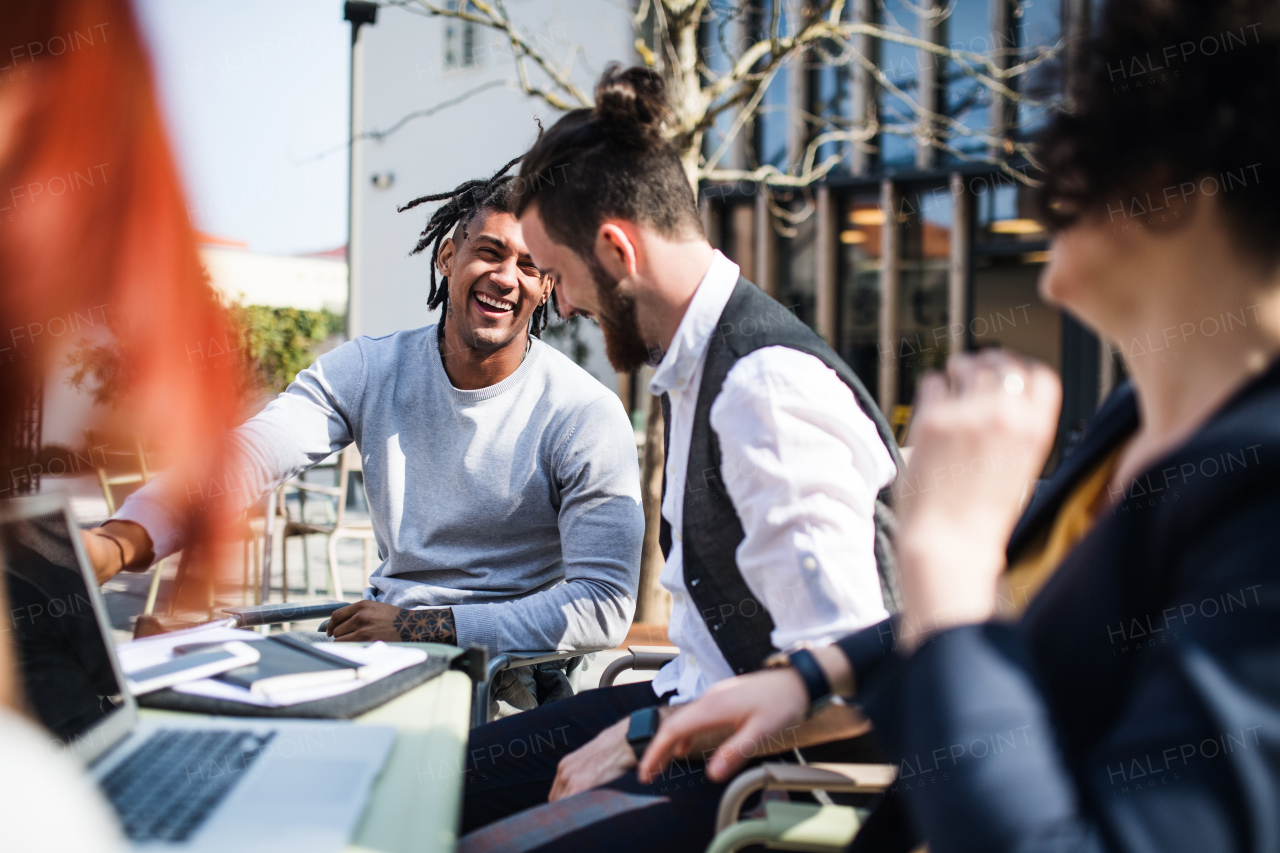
426	626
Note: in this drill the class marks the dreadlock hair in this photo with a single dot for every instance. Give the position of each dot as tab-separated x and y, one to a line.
461	204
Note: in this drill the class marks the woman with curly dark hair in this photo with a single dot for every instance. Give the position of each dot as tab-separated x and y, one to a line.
1102	673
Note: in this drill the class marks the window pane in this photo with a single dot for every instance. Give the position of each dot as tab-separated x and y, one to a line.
1008	312
1010	250
1039	26
773	118
966	27
717	48
771	123
922	287
1005	215
798	265
830	100
858	288
900	64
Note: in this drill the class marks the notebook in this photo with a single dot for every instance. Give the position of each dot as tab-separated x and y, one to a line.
286	663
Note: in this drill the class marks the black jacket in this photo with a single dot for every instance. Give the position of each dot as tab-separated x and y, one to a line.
1136	704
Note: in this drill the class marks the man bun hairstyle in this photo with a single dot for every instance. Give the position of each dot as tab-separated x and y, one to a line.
1178	96
461	204
631	107
612	160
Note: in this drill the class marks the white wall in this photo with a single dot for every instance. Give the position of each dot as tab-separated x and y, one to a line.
280	281
404	71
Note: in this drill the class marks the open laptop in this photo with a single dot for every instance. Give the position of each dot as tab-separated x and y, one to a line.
177	783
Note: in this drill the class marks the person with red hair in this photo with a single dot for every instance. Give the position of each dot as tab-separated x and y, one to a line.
93	223
96	225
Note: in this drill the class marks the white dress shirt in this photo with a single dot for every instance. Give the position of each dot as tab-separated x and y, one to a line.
802	464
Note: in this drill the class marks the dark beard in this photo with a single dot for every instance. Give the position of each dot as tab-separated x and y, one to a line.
623	345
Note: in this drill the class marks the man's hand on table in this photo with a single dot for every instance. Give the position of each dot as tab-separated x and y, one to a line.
604	758
366	621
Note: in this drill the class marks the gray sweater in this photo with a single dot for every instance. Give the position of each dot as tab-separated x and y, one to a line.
517	504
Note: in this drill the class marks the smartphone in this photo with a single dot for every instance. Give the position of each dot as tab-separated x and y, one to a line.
192	667
269	614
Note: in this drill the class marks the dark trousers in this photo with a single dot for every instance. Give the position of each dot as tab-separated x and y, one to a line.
511	764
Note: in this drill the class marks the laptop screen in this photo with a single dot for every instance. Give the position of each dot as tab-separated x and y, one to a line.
67	676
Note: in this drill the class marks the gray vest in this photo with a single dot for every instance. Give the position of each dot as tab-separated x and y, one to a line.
712	531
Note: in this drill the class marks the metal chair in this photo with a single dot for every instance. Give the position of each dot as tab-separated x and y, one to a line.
119	460
344	528
125	460
798	826
337	526
786	826
482	688
644	658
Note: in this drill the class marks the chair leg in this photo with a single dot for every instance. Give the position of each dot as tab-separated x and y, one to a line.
154	590
284	569
257	569
335	583
306	568
482	691
179	578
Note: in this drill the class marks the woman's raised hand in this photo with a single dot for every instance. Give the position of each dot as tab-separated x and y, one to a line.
980	434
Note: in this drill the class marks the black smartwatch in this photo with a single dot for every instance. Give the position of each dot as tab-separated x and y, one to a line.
806	666
644	725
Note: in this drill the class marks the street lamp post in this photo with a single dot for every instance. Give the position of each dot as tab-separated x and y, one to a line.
358	13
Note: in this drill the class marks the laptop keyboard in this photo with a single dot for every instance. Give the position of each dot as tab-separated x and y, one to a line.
166	788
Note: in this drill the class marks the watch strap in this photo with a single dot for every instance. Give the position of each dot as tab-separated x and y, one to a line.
642	728
815	680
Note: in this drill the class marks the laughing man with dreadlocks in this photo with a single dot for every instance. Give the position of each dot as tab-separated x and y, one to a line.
502	478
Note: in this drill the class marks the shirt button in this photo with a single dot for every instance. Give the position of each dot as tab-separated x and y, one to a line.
809	564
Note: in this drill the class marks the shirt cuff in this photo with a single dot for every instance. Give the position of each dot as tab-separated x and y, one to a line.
166	537
476	625
868	649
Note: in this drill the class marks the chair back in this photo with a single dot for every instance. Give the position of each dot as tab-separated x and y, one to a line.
118	460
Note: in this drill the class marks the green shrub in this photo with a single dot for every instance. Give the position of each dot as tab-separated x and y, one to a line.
272	345
280	342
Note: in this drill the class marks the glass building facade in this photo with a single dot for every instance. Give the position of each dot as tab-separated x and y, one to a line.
909	251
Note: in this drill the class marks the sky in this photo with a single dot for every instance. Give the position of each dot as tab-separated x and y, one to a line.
255	93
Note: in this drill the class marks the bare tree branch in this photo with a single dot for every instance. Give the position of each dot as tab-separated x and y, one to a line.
564	95
379	135
701	95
